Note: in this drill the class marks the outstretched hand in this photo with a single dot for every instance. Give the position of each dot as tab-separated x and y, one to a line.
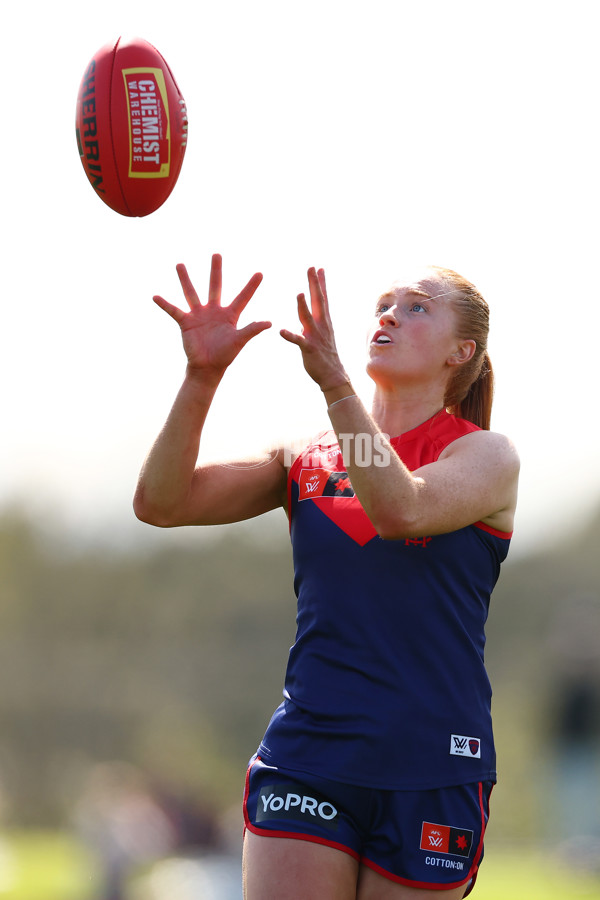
317	341
211	338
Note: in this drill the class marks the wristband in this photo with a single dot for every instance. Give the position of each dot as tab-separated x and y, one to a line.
349	397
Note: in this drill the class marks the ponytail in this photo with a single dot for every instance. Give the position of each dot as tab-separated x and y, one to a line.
470	390
476	405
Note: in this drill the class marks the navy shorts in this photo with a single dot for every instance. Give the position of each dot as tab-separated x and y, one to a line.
424	839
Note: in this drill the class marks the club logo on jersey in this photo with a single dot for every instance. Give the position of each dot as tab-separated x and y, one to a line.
460	745
416	542
446	839
290	802
319	483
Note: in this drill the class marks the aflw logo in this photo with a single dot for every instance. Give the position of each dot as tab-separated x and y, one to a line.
312	484
460	745
435	838
446	839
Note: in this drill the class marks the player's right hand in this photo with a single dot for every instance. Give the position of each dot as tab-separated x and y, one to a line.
211	338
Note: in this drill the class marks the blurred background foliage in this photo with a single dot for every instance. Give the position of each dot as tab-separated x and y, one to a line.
150	673
170	660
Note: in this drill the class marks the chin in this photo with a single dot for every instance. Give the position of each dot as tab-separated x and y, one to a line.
378	371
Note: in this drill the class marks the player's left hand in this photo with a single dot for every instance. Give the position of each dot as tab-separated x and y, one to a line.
317	341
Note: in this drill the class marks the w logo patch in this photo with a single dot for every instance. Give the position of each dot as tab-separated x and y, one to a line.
461	745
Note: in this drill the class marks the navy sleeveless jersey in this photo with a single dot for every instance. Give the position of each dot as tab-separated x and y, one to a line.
385	685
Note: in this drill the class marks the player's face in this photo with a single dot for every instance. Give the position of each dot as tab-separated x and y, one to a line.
413	332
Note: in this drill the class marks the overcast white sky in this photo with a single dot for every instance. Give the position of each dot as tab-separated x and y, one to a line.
364	138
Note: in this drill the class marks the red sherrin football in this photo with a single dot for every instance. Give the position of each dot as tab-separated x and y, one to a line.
131	127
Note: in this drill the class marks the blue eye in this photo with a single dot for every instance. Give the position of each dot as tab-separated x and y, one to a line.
381	308
418	306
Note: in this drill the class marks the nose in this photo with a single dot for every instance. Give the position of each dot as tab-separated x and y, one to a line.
388	317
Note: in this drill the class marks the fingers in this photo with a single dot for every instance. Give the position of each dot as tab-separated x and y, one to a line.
246	294
216	279
304	313
214	285
297	339
246	334
310	333
318	293
317	330
188	288
319	308
171	310
214	290
321	277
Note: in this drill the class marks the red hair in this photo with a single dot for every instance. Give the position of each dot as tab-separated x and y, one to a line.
470	390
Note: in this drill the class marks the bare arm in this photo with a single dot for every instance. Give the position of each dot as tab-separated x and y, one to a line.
475	479
172	489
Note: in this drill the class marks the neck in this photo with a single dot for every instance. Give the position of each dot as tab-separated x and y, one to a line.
397	413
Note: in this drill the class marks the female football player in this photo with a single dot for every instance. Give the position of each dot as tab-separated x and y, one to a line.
374	775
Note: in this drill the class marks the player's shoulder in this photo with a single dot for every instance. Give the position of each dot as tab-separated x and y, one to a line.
498	447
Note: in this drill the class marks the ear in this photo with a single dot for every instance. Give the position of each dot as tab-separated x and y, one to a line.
463	353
